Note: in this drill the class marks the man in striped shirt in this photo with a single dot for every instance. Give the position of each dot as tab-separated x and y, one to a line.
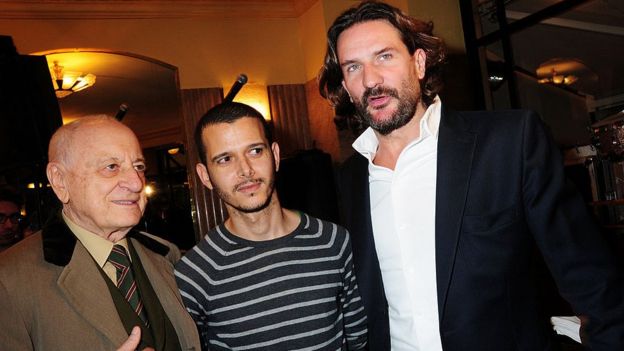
268	278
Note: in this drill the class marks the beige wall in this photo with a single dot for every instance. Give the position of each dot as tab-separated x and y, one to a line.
312	28
446	19
268	50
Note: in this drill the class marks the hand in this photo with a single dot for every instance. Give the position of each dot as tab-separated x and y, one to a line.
133	341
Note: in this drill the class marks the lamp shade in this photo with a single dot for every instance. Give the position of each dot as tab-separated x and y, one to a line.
65	82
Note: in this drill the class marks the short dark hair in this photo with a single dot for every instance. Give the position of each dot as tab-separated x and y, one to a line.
415	34
10	194
227	112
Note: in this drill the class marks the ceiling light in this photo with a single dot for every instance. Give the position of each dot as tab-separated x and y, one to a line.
557	78
65	82
564	71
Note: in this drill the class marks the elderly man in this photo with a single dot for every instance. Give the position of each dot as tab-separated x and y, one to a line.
87	280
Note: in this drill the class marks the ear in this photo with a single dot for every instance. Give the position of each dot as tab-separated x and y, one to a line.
276	155
57	177
202	172
420	61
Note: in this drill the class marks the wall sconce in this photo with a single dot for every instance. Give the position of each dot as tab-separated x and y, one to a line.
256	96
66	83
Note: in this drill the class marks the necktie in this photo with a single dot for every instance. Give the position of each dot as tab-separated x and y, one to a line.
125	280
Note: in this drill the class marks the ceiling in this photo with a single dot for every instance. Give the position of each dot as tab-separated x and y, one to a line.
591	34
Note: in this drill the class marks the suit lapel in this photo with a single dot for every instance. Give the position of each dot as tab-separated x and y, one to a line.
86	291
455	153
355	195
162	280
360	213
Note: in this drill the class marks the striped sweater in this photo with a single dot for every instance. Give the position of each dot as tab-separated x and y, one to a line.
297	292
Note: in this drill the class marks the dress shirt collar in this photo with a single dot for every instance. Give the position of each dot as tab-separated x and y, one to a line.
366	144
98	247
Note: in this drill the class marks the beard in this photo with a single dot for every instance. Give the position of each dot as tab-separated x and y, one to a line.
408	98
229	198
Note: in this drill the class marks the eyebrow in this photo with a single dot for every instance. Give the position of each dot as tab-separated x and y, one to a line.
250	146
216	157
117	159
255	145
348	62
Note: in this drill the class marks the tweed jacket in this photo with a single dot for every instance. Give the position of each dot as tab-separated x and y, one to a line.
53	297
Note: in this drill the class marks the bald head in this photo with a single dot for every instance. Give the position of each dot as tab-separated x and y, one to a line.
62	143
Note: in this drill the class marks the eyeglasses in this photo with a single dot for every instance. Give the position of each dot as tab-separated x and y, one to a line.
13	217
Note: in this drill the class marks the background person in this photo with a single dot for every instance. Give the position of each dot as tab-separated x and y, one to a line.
11	228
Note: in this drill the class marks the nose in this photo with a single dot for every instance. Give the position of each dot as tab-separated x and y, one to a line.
7	224
371	77
245	168
132	180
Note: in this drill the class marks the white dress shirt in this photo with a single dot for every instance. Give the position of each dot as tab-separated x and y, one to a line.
403	219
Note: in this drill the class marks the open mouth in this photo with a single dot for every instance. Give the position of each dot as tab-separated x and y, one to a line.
378	102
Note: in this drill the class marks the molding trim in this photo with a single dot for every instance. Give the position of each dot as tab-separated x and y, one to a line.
152	9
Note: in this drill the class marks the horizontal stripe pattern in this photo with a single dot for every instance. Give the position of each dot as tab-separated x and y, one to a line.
297	292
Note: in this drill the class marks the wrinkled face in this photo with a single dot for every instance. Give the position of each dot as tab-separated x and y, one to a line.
103	180
241	164
9	230
380	75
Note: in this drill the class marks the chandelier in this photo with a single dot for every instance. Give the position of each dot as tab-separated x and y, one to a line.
558	78
65	82
564	71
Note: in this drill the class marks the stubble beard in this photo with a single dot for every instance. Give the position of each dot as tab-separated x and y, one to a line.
408	101
228	197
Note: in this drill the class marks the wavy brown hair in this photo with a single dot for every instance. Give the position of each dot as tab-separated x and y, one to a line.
415	34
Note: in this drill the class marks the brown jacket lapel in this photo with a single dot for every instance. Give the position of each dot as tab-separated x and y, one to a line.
85	290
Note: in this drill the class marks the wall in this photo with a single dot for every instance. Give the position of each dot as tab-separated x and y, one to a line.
209	51
446	18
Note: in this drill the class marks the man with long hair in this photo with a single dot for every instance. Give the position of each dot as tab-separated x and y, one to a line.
446	207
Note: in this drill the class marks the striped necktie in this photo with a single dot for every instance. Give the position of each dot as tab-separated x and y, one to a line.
125	280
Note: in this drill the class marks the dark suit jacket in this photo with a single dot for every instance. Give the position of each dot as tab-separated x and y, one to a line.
500	190
53	297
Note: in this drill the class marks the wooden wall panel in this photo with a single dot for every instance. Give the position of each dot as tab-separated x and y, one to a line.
289	111
322	128
208	209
